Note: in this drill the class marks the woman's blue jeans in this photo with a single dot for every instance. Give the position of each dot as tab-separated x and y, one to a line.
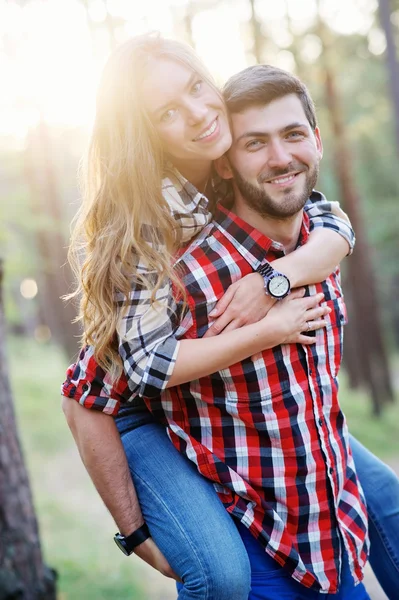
200	540
381	489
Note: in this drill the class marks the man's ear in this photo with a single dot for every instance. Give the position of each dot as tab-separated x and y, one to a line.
319	143
222	166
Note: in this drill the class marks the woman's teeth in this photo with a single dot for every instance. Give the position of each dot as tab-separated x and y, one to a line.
208	132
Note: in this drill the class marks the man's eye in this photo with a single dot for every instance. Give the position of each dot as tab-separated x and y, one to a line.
196	87
168	115
295	135
253	145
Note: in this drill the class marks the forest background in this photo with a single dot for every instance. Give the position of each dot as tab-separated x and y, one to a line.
51	55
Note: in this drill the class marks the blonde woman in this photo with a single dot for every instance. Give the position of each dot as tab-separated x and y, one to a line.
148	179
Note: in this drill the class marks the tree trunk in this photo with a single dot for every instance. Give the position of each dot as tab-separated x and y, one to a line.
55	277
23	575
257	34
365	318
392	61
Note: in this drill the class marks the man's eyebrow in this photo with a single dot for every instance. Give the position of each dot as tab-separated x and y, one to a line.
189	83
266	134
295	125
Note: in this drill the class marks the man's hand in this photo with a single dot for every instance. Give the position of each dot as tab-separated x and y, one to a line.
338	212
245	302
150	553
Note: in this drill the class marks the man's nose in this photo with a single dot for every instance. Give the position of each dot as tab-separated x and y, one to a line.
279	155
196	112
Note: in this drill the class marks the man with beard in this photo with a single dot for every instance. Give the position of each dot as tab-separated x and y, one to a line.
269	430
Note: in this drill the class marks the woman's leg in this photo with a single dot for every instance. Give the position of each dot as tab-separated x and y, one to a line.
186	518
381	489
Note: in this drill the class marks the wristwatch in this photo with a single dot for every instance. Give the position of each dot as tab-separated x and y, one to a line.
277	284
128	544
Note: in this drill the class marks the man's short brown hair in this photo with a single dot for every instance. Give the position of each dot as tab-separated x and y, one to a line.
261	84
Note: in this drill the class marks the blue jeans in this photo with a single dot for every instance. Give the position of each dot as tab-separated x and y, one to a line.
199	539
271	582
381	489
188	522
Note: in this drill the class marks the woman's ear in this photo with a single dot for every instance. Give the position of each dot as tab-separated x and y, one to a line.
223	168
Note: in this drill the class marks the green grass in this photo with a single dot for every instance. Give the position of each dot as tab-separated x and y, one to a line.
76	530
380	435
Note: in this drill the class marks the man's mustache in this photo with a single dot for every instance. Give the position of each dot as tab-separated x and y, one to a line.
272	174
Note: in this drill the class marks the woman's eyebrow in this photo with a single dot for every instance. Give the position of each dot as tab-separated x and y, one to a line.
189	83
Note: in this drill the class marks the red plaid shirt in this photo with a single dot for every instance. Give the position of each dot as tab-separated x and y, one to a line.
270	433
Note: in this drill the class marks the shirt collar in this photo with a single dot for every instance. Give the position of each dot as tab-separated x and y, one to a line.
250	242
188	193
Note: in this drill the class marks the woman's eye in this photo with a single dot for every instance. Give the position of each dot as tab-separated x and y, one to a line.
168	115
196	87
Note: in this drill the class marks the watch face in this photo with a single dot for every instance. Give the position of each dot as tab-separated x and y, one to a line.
121	545
278	286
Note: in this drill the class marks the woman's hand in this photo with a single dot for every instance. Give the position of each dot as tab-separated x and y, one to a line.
295	316
245	302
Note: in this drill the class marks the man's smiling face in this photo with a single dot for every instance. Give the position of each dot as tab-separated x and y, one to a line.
275	157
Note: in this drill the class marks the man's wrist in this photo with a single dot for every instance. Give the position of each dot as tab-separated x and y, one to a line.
130	528
127	544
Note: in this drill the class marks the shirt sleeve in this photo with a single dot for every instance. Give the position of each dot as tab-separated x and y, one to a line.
320	213
87	383
147	339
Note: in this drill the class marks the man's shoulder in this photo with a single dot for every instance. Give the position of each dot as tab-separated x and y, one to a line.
210	238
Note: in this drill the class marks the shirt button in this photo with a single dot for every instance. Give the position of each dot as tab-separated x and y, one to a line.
341	316
321	422
85	387
331	470
310	372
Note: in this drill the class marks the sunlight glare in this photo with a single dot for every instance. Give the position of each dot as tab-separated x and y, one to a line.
348	18
28	288
222	25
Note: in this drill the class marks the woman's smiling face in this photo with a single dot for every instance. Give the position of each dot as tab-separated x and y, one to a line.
187	112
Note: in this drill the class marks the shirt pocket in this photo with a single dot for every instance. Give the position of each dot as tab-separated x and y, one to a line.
335	333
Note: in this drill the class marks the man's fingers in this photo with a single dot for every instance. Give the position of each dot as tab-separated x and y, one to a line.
338	212
150	553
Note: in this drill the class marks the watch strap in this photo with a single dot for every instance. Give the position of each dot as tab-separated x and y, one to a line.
266	270
133	540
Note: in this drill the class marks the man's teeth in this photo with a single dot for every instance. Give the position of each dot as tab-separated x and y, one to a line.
207	132
283	179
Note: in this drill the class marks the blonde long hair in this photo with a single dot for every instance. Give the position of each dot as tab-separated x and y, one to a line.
121	182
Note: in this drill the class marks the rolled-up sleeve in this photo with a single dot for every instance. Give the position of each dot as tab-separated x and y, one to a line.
89	385
320	213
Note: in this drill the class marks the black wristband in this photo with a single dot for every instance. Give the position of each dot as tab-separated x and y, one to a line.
129	543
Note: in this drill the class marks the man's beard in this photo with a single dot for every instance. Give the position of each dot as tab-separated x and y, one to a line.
290	202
